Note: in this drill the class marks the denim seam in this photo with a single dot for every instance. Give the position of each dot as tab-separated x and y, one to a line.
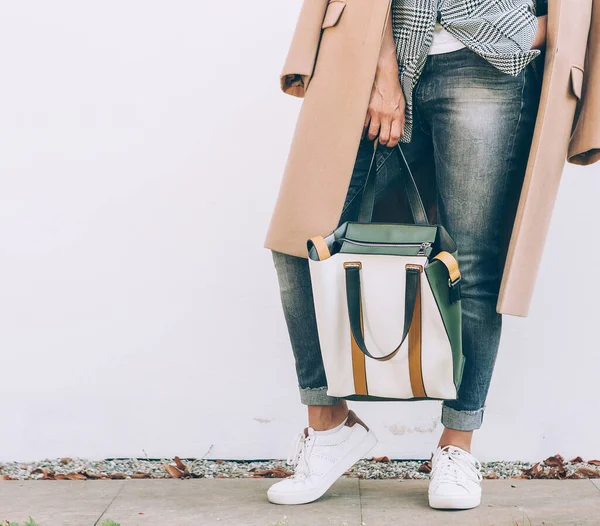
418	114
416	106
514	138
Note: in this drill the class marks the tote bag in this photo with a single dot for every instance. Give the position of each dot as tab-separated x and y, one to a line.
387	303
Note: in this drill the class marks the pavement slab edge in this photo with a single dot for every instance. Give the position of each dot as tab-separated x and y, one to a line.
53	502
349	502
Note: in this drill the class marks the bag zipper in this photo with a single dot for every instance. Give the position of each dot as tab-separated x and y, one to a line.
424	246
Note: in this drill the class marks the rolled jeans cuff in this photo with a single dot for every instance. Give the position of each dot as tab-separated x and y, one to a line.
317	396
461	420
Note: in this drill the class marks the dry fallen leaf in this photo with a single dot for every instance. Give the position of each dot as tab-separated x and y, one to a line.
95	475
576	460
276	473
380	459
179	464
75	476
140	475
59	476
173	471
588	472
182	467
556	460
556	472
425	467
65	460
118	476
534	472
7	477
594	462
492	475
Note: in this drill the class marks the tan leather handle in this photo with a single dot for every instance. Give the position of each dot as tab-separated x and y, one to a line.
451	264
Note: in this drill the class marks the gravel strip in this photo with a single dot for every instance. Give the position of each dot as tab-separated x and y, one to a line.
383	468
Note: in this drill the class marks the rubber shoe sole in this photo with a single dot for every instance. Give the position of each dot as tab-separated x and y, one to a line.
443	502
312	494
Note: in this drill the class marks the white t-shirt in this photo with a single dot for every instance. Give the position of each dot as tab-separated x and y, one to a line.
444	42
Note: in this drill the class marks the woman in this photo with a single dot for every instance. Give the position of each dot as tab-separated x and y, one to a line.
462	92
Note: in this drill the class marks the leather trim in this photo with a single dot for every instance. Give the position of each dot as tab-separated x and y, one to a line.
321	247
353	419
359	366
451	264
333	13
577	81
415	348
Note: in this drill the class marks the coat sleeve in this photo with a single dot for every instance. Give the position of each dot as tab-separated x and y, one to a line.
302	55
584	147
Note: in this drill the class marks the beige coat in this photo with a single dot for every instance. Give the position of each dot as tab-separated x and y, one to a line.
331	63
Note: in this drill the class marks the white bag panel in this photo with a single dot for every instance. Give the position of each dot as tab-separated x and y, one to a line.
329	294
436	354
390	379
382	288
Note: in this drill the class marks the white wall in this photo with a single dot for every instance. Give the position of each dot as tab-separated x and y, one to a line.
142	144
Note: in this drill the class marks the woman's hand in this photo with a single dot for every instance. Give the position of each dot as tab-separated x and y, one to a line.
540	38
385	115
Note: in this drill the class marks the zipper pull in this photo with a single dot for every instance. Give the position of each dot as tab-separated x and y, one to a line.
423	249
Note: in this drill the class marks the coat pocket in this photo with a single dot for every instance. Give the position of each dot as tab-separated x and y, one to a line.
576	81
333	13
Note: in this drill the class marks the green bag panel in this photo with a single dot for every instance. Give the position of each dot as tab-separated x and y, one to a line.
390	233
390	250
443	242
437	275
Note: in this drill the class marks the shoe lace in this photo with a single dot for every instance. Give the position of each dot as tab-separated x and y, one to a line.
452	464
299	455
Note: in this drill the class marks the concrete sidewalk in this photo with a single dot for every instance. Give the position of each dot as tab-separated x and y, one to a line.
349	502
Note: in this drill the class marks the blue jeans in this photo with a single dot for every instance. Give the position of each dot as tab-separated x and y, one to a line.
474	124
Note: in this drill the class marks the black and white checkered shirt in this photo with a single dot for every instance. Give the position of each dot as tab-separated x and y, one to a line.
501	31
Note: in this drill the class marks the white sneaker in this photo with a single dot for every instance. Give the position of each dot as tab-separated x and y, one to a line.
455	479
320	459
